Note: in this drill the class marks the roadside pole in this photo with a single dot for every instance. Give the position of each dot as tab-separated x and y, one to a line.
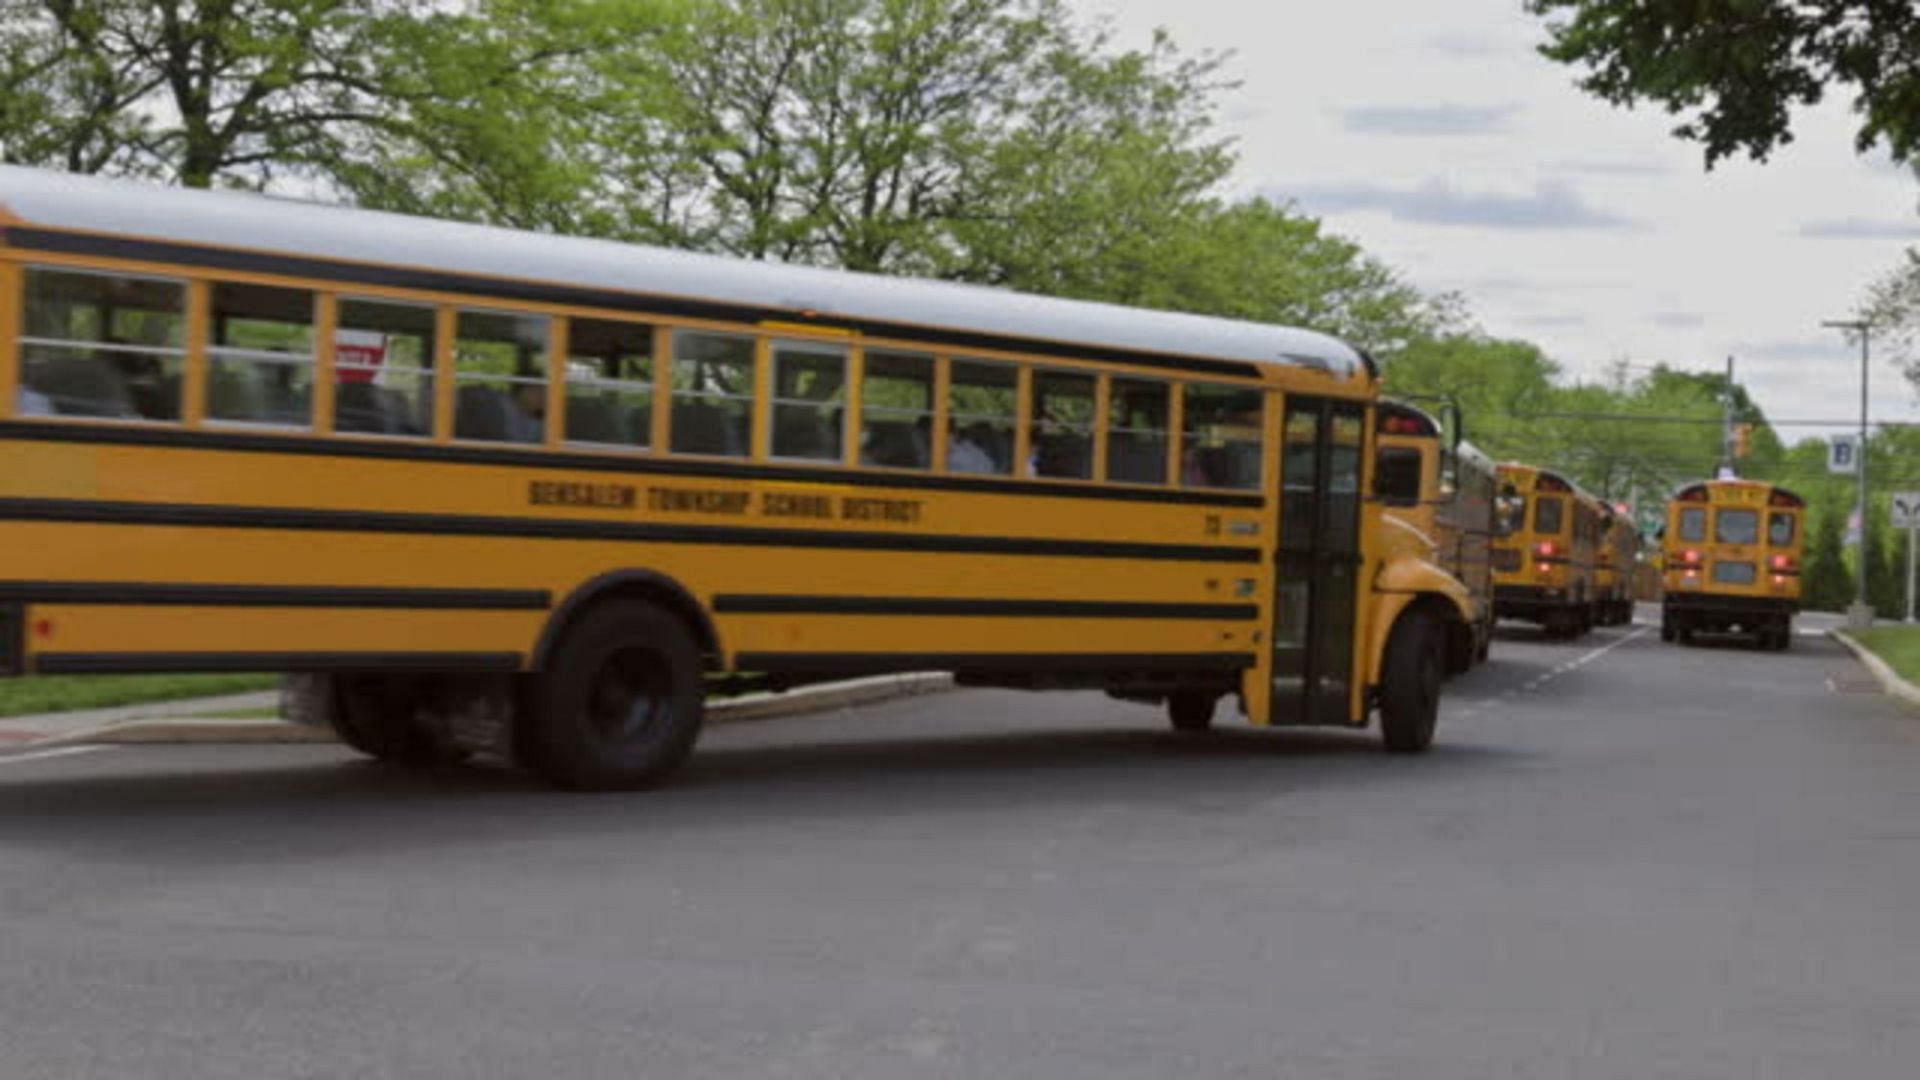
1906	515
1860	615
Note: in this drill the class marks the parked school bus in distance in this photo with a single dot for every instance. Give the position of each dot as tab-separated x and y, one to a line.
492	490
1546	536
1442	487
1732	561
1616	562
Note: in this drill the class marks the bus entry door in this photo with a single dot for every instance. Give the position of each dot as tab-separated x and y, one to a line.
1316	580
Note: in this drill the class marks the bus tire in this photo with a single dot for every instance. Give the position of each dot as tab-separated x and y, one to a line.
1191	710
1410	684
1667	632
620	704
377	715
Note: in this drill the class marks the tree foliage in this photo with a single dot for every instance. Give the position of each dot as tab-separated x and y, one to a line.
372	97
1736	69
991	141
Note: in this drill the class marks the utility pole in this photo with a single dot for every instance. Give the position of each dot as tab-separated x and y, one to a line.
1726	423
1860	615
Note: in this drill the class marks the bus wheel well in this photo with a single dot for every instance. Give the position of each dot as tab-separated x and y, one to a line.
1457	639
646	586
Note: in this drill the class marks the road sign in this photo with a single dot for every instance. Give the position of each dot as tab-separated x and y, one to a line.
1843	454
1906	509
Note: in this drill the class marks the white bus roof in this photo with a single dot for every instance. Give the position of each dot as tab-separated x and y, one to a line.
66	202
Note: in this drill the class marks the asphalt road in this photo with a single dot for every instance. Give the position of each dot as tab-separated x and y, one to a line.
1624	860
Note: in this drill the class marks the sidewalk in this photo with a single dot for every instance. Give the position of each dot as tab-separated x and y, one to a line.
194	720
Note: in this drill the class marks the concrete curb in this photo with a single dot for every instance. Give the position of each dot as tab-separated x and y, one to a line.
748	707
1890	680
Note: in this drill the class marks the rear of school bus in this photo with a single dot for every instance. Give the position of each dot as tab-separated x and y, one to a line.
1445	493
1732	562
1543	552
1616	562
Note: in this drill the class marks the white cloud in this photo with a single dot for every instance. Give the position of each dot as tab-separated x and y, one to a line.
1725	246
1861	229
1551	205
1429	120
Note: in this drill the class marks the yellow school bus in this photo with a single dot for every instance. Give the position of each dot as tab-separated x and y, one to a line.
1615	564
488	490
1732	561
1546	533
1442	486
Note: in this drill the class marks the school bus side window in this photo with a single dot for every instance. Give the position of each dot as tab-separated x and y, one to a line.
809	400
500	377
260	358
383	368
896	410
1062	432
103	345
980	415
1220	437
1137	414
712	394
609	387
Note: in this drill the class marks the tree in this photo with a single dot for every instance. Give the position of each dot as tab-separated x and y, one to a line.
1826	583
364	95
981	140
1737	68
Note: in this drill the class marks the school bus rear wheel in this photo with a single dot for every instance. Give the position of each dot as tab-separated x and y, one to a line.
1191	710
620	704
379	715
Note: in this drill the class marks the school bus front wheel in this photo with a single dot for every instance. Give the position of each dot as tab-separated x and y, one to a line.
1410	683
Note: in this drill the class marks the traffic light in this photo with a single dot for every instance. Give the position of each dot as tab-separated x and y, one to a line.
1742	440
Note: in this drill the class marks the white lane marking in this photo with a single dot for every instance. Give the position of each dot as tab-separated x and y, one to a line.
42	755
1589	657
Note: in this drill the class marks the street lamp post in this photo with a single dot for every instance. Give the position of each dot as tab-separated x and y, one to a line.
1860	615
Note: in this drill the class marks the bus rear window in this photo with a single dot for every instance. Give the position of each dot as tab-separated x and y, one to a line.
1737	527
1549	514
1780	530
1693	524
1396	476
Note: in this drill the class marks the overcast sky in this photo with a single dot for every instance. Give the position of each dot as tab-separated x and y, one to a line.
1435	135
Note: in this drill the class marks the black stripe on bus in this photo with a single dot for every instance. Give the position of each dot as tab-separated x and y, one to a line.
348	273
883	663
80	511
129	663
570	458
149	594
909	605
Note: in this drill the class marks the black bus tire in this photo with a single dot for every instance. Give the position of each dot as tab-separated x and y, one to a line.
1191	710
620	704
376	715
1410	684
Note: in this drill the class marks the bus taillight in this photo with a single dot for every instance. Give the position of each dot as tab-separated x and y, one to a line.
1546	549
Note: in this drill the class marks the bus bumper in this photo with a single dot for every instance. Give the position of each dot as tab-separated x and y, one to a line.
1529	603
1712	613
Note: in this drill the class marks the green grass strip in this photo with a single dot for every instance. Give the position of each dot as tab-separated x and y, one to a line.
1899	646
65	693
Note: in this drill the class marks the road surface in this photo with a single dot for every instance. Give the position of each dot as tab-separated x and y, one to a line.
1623	860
